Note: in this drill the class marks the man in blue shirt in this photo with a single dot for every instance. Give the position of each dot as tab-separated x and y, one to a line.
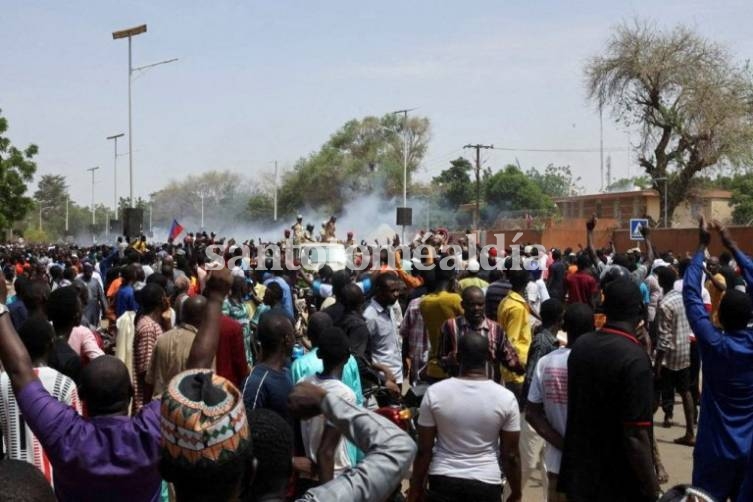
275	275
125	300
725	425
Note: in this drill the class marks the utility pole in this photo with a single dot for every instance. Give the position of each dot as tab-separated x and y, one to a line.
202	209
477	211
275	195
67	200
115	173
601	144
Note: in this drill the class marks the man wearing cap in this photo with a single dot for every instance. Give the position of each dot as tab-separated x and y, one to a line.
472	279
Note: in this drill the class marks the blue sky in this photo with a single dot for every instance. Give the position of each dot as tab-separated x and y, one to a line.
259	81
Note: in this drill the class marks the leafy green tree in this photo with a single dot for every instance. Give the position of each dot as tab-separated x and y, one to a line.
362	157
690	101
454	184
16	171
741	186
512	190
625	184
556	181
260	207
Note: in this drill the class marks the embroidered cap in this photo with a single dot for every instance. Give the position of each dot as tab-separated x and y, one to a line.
203	420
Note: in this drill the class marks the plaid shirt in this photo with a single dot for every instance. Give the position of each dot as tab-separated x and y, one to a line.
415	341
674	332
500	348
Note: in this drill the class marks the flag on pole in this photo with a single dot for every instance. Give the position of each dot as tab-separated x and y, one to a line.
175	230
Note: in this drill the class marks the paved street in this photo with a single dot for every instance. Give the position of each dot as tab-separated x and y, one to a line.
678	460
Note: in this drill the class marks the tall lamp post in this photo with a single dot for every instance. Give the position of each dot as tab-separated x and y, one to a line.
129	33
115	172
91	170
404	113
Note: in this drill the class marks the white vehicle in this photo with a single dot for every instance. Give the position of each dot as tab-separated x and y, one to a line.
314	255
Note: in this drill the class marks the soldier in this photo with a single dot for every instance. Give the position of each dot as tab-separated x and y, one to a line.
308	235
350	241
298	235
329	230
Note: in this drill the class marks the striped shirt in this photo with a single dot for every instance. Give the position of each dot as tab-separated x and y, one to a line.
147	332
674	332
500	348
415	341
18	441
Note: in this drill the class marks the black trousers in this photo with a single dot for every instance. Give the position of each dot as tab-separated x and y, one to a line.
447	489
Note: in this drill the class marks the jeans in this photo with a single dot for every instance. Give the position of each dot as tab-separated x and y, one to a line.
447	489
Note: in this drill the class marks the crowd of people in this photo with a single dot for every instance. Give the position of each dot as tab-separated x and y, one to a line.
146	372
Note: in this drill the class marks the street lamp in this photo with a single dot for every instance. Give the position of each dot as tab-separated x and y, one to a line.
92	169
130	33
665	179
115	172
404	113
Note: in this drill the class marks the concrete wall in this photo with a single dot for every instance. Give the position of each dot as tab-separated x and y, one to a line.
682	240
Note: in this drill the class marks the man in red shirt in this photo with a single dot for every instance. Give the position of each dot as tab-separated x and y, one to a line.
581	287
231	361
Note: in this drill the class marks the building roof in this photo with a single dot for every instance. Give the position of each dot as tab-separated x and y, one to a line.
648	193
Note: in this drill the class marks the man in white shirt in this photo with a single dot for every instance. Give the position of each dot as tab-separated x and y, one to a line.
546	410
473	420
324	444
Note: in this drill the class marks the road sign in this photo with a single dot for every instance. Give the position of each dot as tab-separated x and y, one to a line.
636	224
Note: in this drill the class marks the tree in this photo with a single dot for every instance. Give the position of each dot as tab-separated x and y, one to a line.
556	181
627	184
741	186
50	197
511	190
52	190
16	170
454	183
260	207
362	157
225	195
691	102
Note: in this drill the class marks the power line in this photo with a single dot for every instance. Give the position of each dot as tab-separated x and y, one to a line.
560	150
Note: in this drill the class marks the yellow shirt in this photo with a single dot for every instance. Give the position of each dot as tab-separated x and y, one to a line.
436	308
512	315
716	298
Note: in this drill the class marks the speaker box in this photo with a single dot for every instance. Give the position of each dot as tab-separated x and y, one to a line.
405	216
133	219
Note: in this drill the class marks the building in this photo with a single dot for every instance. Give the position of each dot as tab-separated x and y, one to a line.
621	206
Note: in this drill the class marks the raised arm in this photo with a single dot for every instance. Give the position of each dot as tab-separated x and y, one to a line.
650	253
13	354
205	344
698	318
745	263
590	226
